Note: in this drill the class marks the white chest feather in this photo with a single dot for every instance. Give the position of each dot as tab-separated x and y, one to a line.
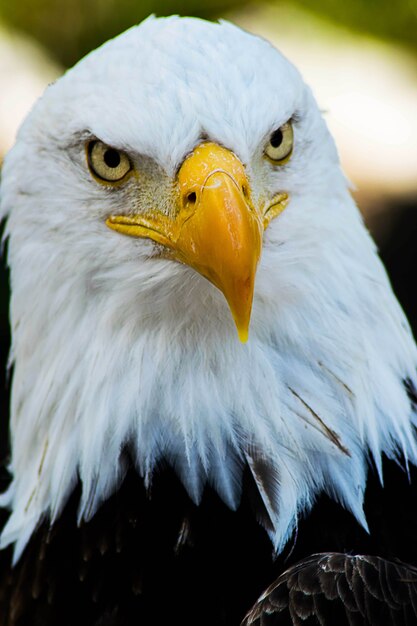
114	347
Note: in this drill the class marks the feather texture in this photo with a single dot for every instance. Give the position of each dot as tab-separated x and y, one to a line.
328	589
114	345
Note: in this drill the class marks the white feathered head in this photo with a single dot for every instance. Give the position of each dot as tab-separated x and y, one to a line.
177	184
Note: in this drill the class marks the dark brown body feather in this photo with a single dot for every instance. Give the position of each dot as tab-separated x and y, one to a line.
154	558
338	589
157	559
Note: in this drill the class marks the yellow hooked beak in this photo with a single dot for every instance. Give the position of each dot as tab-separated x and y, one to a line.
216	229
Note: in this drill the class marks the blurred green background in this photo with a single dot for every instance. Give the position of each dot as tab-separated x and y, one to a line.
352	47
70	28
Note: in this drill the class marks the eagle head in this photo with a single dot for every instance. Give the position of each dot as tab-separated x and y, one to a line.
191	279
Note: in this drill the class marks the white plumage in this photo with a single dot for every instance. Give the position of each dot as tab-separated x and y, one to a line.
112	343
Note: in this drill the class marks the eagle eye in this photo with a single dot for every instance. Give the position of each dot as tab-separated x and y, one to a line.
279	146
106	163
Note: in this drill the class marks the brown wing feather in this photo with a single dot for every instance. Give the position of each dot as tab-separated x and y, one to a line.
329	589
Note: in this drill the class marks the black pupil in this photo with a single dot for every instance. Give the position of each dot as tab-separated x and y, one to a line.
112	158
276	138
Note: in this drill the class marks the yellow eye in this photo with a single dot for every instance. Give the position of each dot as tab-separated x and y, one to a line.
279	147
107	163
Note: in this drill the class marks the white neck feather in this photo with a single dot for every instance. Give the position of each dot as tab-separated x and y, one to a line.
114	348
104	362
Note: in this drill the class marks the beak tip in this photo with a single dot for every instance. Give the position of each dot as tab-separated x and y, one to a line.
242	315
243	334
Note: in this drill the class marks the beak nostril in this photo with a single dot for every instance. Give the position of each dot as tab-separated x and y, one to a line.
245	191
192	197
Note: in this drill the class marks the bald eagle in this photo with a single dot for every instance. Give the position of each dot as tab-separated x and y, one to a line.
209	364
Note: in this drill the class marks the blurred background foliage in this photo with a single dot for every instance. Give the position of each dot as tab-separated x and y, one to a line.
70	28
356	54
388	19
